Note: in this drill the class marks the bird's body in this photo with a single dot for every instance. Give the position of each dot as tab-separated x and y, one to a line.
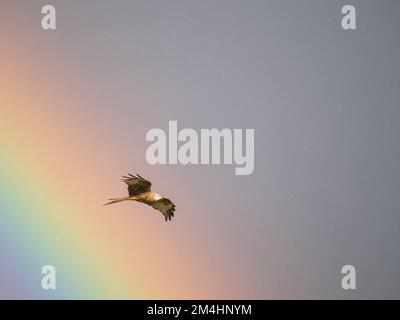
140	190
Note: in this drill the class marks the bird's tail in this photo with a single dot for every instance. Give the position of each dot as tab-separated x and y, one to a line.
115	200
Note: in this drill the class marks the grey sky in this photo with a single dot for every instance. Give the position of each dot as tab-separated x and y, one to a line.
324	104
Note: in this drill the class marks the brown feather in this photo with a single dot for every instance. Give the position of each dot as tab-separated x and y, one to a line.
140	190
136	185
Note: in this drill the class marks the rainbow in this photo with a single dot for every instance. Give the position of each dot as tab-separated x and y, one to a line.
52	174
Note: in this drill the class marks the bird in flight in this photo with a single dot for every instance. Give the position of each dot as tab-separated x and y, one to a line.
140	190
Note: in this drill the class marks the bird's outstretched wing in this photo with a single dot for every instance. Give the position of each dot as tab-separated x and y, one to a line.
136	184
166	207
